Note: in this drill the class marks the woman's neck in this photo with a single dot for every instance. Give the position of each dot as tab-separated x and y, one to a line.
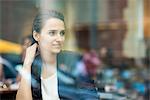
49	66
49	58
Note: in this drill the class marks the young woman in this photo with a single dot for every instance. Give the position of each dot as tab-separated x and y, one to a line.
39	74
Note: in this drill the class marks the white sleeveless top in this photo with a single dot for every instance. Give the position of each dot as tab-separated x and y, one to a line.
50	88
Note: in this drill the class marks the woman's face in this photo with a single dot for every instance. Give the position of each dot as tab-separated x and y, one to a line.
52	36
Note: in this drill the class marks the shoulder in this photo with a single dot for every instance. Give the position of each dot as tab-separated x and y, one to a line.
68	55
68	58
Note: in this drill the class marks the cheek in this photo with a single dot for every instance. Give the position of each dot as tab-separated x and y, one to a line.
44	42
47	39
62	42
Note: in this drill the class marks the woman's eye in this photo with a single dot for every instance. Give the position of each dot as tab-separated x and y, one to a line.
62	33
51	33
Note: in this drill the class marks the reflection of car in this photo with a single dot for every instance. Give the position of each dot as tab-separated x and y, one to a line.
9	47
10	60
113	96
74	93
72	87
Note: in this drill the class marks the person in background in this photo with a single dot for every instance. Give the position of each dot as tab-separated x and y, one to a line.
92	62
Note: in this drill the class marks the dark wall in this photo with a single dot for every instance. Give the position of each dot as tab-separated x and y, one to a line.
14	17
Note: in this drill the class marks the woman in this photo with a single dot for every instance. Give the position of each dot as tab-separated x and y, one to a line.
39	74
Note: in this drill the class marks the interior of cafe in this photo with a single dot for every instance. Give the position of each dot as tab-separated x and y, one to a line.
112	38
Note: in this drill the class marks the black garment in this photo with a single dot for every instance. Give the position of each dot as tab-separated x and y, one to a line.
65	91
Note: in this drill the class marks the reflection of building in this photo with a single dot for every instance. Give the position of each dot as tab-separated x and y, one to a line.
147	28
147	18
94	23
121	30
16	18
110	27
134	45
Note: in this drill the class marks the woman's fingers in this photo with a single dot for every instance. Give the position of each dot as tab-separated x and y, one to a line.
31	49
30	54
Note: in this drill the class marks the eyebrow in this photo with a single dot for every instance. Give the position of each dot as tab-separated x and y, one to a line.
55	30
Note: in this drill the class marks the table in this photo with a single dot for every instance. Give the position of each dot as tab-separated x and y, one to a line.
7	94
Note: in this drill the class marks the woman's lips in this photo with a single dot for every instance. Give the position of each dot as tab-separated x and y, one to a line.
57	46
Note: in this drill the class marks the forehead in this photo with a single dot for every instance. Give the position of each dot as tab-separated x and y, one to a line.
54	24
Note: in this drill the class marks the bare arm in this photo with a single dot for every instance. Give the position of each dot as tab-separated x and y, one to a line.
24	91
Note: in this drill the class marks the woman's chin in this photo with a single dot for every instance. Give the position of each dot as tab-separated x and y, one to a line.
56	51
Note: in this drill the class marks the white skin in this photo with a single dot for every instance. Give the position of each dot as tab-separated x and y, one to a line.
50	40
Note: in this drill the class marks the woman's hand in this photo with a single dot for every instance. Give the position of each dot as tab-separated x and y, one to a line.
30	55
24	91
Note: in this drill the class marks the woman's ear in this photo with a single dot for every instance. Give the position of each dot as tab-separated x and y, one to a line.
36	36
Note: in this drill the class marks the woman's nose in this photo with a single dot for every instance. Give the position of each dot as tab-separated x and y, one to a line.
59	37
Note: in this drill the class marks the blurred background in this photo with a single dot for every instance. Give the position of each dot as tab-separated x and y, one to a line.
111	36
